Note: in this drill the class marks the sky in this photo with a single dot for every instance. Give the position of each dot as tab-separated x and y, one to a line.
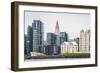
71	23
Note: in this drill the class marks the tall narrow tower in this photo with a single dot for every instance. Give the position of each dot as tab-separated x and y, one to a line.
37	35
57	32
84	41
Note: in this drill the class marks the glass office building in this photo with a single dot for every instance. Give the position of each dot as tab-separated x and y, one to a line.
37	26
63	37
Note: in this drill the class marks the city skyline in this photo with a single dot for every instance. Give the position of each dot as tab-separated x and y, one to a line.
64	21
56	44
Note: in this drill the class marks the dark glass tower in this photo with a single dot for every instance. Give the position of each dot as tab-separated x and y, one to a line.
37	35
25	45
51	49
28	43
63	37
51	39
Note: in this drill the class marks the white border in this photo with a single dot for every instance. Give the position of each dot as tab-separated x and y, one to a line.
51	62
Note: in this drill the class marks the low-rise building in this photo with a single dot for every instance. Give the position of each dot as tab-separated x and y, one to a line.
69	47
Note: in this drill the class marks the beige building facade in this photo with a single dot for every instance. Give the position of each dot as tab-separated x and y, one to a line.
69	47
84	41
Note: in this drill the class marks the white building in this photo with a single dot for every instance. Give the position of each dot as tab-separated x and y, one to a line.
84	41
69	47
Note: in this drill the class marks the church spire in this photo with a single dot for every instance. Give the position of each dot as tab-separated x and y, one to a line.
57	28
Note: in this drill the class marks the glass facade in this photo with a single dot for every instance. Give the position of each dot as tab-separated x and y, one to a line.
63	37
37	26
51	39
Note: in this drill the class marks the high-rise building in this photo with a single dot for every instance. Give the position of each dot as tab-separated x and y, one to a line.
28	43
63	37
87	40
38	35
26	51
84	41
57	33
51	39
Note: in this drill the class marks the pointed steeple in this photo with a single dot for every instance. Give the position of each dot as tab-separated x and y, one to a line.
57	28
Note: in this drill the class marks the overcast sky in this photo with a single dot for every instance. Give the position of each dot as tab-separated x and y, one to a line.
71	23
